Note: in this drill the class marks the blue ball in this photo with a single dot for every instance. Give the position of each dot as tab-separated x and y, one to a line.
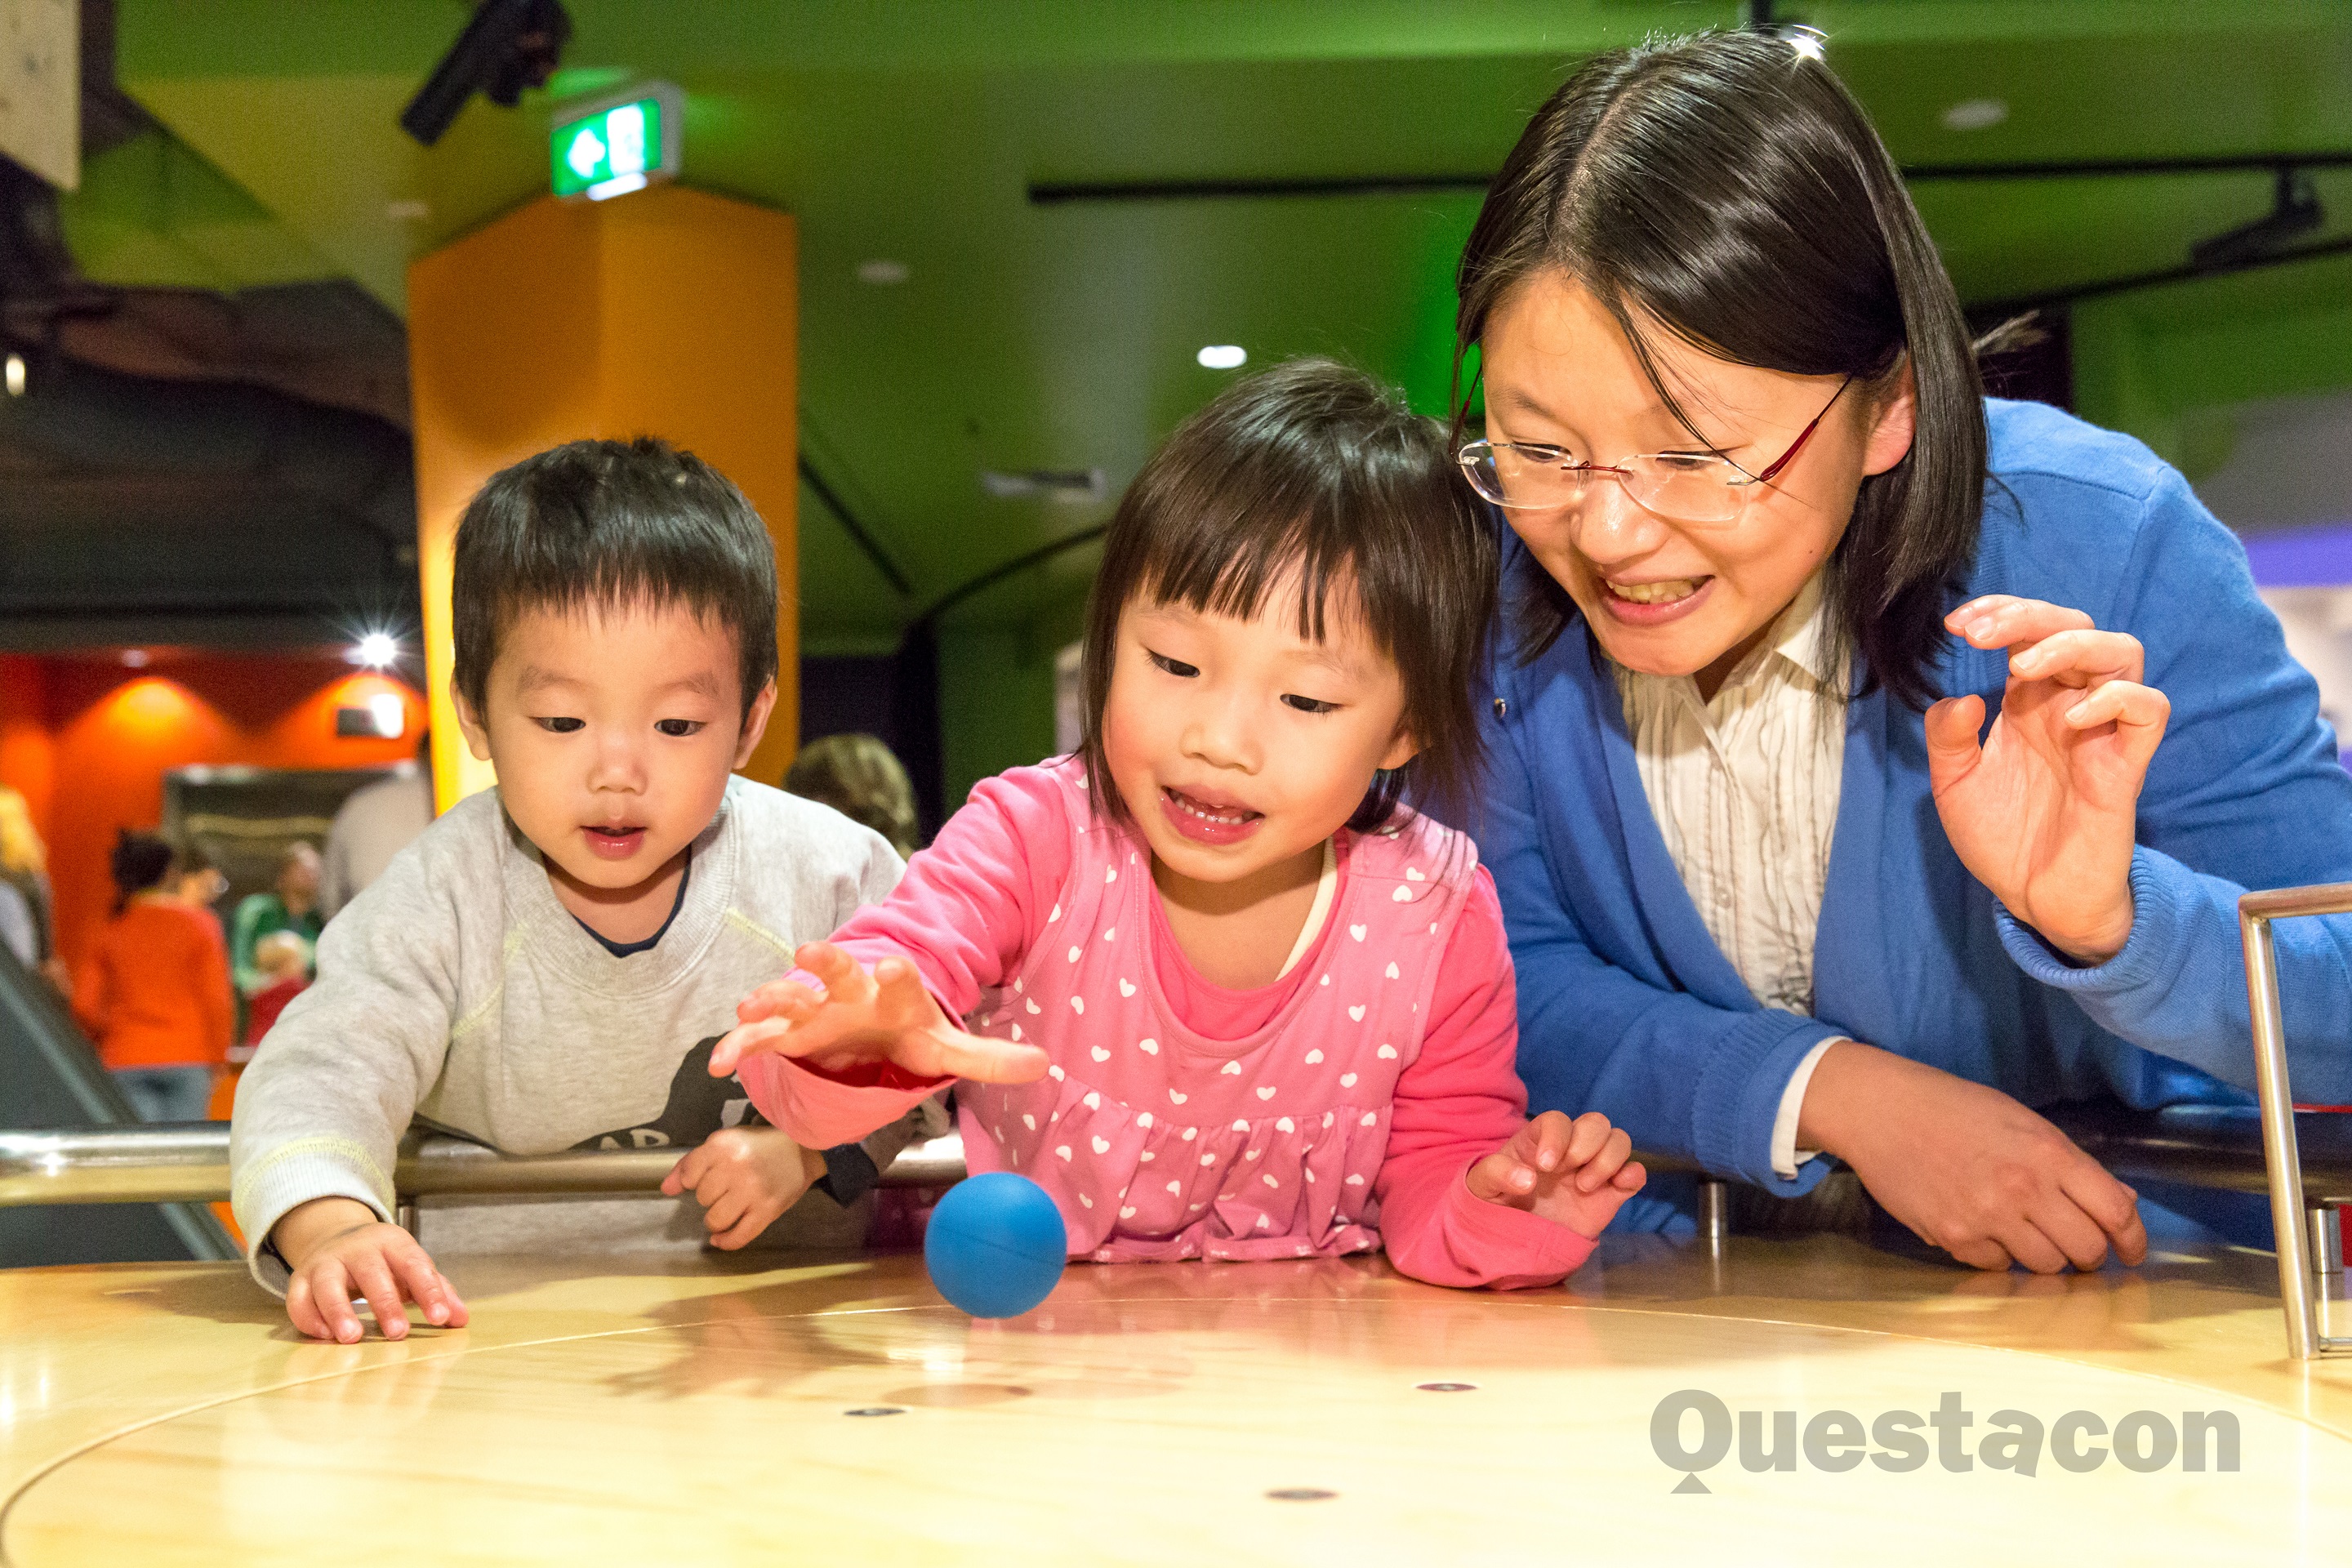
995	1245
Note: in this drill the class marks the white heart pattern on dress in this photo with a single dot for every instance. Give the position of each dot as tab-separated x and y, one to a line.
1269	1180
1149	1047
1143	1119
1062	1150
1325	981
1355	1181
1111	934
1177	1096
1208	1159
1102	1146
1233	1068
1347	1080
1086	1200
1191	1133
1078	1006
1402	895
1370	1119
1241	1126
1055	916
1413	876
1357	931
1031	1002
1285	1125
1355	1015
1056	1071
1392	972
1266	1091
1101	1053
1175	1186
1386	1053
1029	1121
1110	875
1016	1031
1074	954
1093	1101
1127	1213
1315	1056
1126	987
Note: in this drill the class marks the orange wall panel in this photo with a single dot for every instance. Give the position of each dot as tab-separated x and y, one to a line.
109	734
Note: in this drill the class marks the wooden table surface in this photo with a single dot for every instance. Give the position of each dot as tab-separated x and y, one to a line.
708	1413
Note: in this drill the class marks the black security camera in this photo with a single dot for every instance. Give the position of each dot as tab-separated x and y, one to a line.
509	46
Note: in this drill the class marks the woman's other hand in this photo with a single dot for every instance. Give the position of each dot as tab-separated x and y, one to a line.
1966	1167
2043	813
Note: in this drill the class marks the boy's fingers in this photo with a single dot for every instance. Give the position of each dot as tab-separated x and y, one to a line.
726	1209
302	1311
756	1218
384	1297
328	1298
428	1289
687	1172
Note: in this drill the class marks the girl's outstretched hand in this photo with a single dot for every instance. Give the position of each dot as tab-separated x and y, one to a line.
1574	1173
2044	812
862	1020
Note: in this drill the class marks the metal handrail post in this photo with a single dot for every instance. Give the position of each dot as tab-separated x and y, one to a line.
2298	1292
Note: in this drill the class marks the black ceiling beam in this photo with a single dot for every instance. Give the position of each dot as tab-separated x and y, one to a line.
2075	293
1066	193
1019	563
865	541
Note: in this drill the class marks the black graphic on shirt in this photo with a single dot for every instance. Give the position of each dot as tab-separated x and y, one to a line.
699	1105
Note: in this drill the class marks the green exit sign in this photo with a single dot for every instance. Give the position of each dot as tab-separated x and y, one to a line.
617	144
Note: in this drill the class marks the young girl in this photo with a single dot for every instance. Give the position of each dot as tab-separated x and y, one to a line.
1225	996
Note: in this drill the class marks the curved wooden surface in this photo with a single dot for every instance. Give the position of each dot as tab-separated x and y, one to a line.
709	1413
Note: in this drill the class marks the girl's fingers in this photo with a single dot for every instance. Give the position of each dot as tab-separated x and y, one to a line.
900	995
1631	1177
843	980
1551	1139
1589	1134
985	1060
2083	658
1491	1180
778	999
751	1039
1595	1173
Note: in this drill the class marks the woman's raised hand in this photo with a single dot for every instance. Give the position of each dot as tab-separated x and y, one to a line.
860	1020
2043	811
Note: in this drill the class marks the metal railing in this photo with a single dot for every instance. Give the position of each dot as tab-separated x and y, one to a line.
187	1163
2303	1254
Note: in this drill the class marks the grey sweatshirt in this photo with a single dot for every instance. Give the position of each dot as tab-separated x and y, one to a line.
455	990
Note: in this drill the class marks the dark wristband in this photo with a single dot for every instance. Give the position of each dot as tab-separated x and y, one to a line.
849	1173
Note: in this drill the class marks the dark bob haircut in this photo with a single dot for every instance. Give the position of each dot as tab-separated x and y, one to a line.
1314	470
1728	186
602	524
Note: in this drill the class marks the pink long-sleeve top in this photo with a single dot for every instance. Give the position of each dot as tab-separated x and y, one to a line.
1335	1110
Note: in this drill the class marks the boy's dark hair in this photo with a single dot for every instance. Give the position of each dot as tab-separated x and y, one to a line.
603	523
1728	186
1313	468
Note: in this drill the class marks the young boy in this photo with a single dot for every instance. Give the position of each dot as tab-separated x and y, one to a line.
547	967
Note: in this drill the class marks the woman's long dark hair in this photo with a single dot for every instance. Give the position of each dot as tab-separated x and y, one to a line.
139	861
1728	186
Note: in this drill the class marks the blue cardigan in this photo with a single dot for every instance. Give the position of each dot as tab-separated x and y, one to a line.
1627	1006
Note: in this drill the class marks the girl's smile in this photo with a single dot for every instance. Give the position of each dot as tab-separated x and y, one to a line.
1206	819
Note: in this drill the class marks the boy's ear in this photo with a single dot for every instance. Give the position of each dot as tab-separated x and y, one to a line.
477	734
755	724
1401	750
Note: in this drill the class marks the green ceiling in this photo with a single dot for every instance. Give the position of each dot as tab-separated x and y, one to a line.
1063	337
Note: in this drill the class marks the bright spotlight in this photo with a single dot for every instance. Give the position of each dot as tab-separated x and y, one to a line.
1222	356
375	650
16	376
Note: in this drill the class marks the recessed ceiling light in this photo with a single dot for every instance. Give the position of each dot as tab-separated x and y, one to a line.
1222	356
1975	114
14	375
375	650
407	210
882	271
1072	485
134	658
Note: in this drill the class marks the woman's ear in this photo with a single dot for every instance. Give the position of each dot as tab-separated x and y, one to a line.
1893	421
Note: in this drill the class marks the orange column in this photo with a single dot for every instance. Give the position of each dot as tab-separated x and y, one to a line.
669	313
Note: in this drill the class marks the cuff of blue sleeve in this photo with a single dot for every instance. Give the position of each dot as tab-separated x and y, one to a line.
2162	890
1740	1093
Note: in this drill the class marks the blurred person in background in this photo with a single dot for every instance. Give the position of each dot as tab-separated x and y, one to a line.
859	777
291	904
375	823
25	871
197	882
153	988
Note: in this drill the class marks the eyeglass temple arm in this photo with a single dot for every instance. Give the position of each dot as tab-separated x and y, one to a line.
1791	455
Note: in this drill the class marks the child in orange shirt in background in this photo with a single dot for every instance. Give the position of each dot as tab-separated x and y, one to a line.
153	991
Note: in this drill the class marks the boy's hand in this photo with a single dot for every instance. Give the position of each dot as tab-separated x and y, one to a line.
1574	1173
744	1177
860	1019
336	1248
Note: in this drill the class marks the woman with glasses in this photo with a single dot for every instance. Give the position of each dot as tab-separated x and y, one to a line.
1829	815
